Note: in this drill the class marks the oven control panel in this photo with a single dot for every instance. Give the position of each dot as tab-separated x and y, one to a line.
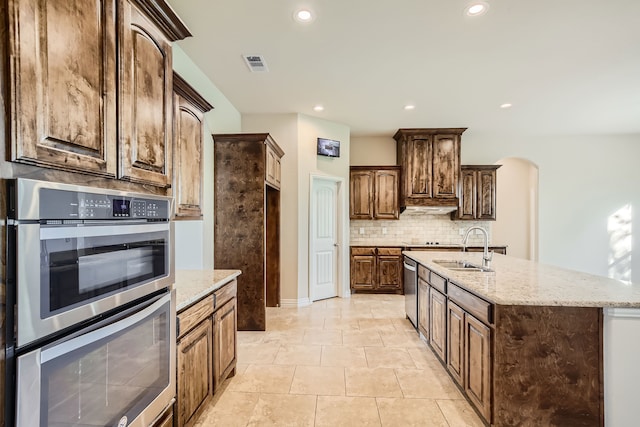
64	205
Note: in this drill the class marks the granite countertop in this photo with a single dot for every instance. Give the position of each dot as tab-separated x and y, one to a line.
517	281
387	244
193	285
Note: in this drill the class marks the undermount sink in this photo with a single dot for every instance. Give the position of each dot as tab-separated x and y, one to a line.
461	265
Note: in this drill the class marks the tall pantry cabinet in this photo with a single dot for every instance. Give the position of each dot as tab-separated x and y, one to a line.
247	220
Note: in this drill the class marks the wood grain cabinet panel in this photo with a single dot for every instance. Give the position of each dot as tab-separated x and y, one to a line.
247	222
360	194
477	364
455	342
146	99
423	307
224	342
188	137
430	164
374	192
377	269
195	372
438	323
274	167
477	193
62	85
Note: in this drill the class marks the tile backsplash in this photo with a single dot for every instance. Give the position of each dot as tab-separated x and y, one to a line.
416	228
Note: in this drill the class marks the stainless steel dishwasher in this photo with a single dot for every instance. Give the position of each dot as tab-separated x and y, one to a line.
411	291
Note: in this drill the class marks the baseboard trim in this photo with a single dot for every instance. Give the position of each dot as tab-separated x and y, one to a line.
294	303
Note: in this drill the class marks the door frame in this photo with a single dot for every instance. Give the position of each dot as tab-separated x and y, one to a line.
342	225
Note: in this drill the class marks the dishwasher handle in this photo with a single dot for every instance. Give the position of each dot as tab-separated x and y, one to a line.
409	267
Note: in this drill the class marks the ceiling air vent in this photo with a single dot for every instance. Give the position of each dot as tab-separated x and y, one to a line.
256	63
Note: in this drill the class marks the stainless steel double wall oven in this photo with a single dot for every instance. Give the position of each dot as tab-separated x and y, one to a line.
90	306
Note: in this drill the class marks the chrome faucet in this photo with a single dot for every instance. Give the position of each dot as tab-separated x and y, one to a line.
486	255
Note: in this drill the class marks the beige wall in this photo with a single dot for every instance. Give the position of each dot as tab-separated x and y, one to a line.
373	151
194	239
517	206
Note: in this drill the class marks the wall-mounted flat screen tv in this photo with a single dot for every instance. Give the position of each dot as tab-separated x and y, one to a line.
328	147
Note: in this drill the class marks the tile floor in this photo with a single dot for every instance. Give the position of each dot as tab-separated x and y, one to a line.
339	362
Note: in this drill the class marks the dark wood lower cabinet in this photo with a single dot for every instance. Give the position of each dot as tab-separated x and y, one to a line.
224	343
195	372
423	307
477	364
376	269
438	323
206	351
455	342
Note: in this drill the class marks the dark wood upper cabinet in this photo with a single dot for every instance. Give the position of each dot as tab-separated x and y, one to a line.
62	84
188	136
374	192
477	193
430	163
89	86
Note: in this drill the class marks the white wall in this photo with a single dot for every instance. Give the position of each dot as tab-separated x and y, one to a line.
583	182
297	135
194	239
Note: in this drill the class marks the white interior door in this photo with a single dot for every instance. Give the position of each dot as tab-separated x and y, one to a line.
323	268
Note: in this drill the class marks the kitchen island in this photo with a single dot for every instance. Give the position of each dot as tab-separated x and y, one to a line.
525	341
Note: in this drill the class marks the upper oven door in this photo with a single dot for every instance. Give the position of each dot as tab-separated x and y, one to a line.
71	273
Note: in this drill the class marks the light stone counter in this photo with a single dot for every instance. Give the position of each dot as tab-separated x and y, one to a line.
193	285
521	282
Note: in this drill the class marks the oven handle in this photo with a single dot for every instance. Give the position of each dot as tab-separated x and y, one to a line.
89	338
49	233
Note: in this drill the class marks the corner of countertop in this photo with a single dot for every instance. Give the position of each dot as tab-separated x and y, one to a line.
193	285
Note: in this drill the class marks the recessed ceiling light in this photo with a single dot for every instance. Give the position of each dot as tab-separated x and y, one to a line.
409	107
318	108
477	8
506	105
304	16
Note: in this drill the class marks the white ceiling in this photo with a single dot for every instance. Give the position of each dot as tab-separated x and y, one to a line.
567	66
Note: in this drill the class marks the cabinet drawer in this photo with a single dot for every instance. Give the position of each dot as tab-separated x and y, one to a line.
423	273
390	251
363	251
224	294
438	282
195	314
480	308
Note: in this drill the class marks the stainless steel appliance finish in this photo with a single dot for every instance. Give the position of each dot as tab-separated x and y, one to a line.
120	371
411	290
83	251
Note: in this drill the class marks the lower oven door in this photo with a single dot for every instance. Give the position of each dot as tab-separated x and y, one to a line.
119	372
68	274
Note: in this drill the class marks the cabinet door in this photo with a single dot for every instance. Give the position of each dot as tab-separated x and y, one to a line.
361	195
273	168
486	195
390	271
224	342
386	199
423	307
363	272
195	373
477	384
446	166
146	98
437	322
468	197
188	166
63	84
419	174
455	342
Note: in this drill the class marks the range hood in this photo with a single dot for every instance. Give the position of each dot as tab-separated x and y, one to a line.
430	210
